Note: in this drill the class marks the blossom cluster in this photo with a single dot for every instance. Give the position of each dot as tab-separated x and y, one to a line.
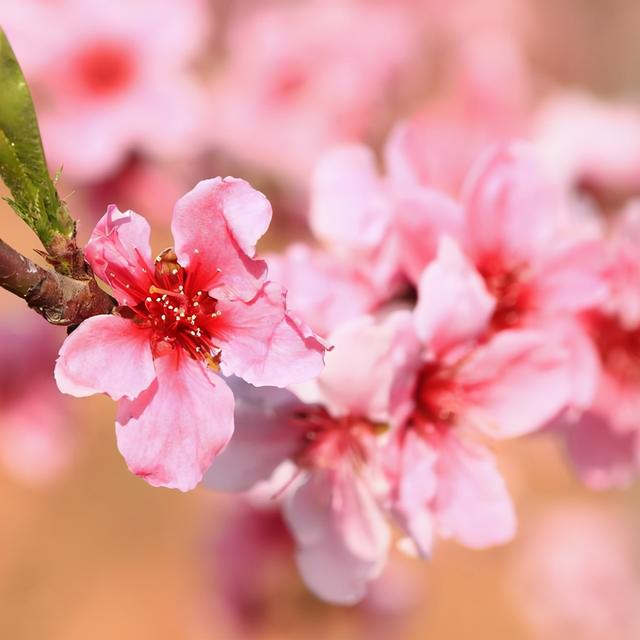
469	274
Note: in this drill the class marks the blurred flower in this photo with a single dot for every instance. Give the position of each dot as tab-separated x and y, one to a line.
205	304
575	575
36	439
604	443
323	457
579	139
110	77
463	383
299	77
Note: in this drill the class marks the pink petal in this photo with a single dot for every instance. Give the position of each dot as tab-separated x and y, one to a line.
472	504
571	279
105	354
266	435
341	535
120	254
361	369
422	217
216	226
322	290
510	209
262	344
414	491
454	306
349	210
170	434
603	457
514	384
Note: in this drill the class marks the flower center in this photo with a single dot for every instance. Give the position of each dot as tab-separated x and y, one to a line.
179	316
104	69
509	289
436	400
618	346
328	439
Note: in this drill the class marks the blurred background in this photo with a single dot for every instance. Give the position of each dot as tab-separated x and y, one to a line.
138	100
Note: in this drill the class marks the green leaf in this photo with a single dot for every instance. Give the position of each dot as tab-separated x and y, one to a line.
23	166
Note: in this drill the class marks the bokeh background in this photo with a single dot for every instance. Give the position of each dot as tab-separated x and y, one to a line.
259	89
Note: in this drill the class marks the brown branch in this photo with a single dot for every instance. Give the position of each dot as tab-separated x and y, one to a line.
59	299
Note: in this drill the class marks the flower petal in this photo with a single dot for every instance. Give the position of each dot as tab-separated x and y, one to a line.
170	434
263	344
105	354
322	290
510	208
216	226
341	535
422	217
514	384
265	435
454	306
349	211
360	370
472	504
120	254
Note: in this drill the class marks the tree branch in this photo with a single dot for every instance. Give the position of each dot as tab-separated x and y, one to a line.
59	299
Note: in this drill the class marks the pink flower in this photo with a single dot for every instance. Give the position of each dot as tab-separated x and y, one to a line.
322	456
467	382
203	304
578	139
110	78
604	443
301	77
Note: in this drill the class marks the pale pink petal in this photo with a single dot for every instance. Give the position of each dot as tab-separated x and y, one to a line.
170	434
216	226
415	490
349	211
454	306
510	207
514	384
263	344
472	504
105	354
422	217
321	290
603	457
571	279
360	371
341	535
266	433
120	254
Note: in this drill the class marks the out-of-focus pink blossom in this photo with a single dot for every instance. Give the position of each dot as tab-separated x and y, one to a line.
110	77
36	441
203	304
575	575
466	381
300	77
325	453
604	443
590	147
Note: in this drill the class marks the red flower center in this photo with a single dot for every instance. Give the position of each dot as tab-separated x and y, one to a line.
328	439
179	315
618	346
104	69
436	399
509	288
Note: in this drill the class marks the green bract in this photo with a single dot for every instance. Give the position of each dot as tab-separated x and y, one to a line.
22	161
